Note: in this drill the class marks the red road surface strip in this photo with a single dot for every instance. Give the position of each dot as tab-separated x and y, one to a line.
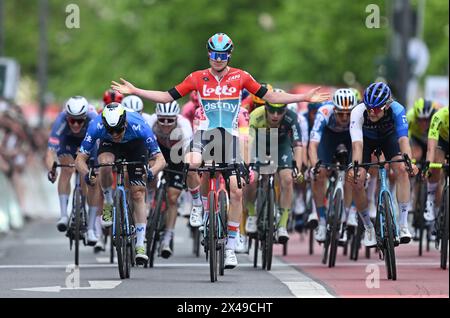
416	276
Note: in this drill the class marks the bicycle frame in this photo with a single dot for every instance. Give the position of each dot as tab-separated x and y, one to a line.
384	188
121	188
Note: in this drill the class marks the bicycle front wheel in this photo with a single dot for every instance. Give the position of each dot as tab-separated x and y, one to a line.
119	240
388	244
420	206
212	238
336	211
270	229
77	221
222	225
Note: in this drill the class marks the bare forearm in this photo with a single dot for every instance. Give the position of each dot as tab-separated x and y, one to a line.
298	152
50	157
158	164
431	149
283	98
80	164
155	96
312	151
357	149
405	146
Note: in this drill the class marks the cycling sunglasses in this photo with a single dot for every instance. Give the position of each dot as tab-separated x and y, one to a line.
376	111
219	56
166	121
73	121
273	110
115	130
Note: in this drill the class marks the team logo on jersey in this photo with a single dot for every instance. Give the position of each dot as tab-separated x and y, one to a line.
234	77
218	90
209	106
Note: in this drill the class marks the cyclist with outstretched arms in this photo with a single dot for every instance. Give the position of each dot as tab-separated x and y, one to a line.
331	129
219	88
65	138
123	134
173	133
437	150
380	122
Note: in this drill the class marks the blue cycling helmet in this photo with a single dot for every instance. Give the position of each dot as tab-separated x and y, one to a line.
376	95
220	42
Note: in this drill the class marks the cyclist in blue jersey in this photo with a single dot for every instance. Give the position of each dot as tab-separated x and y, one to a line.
65	138
123	134
380	122
331	128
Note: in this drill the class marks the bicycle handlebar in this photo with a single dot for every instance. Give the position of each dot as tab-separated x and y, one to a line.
367	165
213	167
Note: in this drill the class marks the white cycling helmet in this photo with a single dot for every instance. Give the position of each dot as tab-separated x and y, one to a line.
344	99
77	107
133	102
167	109
114	117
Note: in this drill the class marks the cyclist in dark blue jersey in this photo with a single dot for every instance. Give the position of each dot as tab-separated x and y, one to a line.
66	136
380	122
123	134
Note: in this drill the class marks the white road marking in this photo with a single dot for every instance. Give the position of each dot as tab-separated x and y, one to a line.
95	284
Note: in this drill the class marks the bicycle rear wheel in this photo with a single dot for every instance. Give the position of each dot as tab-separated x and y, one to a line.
153	227
222	224
119	240
337	206
212	238
270	228
444	230
388	244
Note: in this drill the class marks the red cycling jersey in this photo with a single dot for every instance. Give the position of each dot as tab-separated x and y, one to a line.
220	98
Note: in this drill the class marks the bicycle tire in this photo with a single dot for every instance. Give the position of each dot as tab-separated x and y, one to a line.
311	242
128	243
388	244
212	238
77	211
444	229
337	211
152	227
326	244
196	241
421	201
111	246
255	253
223	224
118	237
271	228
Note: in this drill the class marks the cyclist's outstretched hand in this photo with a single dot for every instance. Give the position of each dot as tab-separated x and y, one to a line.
313	96
124	88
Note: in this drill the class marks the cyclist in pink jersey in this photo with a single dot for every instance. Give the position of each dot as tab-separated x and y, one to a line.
219	90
